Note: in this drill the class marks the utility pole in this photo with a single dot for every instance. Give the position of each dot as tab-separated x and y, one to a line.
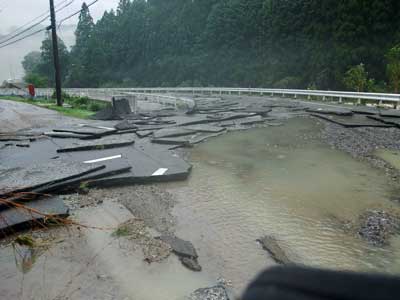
55	53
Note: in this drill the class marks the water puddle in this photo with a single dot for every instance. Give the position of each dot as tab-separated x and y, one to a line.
280	181
390	156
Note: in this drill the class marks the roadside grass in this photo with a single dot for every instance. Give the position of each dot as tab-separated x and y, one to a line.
77	107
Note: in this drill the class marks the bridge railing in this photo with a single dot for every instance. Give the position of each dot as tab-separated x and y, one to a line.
107	94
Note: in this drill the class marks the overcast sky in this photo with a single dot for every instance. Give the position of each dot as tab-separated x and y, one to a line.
14	13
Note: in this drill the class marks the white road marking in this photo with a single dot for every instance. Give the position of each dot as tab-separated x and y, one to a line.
102	159
160	172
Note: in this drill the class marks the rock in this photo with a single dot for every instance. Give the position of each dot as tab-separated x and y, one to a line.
213	293
180	247
185	250
271	245
378	226
191	263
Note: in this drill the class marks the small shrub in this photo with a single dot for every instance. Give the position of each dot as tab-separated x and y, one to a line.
94	106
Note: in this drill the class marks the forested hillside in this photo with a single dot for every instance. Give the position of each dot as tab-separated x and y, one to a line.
247	43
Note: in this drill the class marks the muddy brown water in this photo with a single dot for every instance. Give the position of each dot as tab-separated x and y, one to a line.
280	181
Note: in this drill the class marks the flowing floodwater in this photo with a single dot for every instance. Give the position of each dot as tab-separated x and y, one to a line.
280	181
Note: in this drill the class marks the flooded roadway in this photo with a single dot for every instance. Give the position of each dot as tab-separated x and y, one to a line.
280	181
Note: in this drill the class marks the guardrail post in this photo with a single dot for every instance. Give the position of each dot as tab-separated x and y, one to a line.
359	101
295	96
340	100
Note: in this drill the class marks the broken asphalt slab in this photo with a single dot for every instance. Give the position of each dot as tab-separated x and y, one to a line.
115	165
34	213
353	121
330	111
100	144
25	179
87	131
365	110
390	113
205	128
173	132
386	120
150	163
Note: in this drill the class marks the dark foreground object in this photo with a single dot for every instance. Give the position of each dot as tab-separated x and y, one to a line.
294	283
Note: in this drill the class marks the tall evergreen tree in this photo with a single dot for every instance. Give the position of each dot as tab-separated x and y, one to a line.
81	74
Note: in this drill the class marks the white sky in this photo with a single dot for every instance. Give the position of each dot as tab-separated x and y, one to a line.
14	13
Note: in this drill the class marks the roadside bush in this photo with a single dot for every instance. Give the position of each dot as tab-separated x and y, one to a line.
93	106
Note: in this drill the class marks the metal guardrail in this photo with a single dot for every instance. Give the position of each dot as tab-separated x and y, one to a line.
162	99
107	94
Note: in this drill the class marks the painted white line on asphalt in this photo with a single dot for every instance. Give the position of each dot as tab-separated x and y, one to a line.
159	172
102	159
95	126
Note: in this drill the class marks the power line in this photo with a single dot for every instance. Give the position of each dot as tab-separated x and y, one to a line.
22	38
35	24
46	13
75	13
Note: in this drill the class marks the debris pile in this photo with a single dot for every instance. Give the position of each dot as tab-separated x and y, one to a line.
213	293
378	226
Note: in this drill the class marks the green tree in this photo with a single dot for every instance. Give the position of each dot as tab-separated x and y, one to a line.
37	80
31	61
46	66
393	67
80	73
250	43
356	78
